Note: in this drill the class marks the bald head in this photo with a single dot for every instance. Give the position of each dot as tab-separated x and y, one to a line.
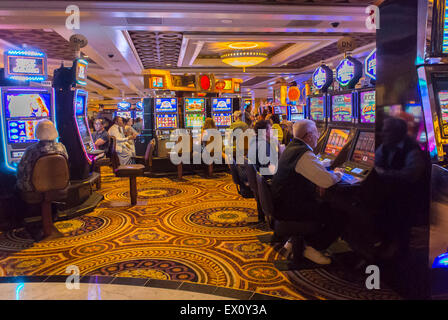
306	131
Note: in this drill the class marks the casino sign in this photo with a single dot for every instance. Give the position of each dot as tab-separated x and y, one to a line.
322	78
348	72
370	65
23	65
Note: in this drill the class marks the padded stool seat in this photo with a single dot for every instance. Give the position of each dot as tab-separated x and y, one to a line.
129	170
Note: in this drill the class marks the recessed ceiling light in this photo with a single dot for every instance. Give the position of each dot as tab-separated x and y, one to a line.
227	21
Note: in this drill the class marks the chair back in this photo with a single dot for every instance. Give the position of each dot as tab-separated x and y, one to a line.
149	153
50	173
265	196
251	176
115	161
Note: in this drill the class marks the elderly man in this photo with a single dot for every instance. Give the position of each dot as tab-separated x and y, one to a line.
47	134
294	189
123	147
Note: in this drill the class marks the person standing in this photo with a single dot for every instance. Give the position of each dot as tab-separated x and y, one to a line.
123	148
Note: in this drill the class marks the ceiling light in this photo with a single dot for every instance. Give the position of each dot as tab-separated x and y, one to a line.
244	59
243	45
226	21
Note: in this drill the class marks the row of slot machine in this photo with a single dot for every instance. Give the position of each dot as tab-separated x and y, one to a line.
125	110
346	125
169	115
24	101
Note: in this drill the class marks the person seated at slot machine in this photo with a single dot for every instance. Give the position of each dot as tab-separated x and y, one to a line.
238	123
247	116
294	189
138	125
284	120
47	134
265	138
123	147
100	136
129	131
404	173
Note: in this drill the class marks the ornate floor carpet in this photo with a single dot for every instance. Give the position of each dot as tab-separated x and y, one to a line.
197	230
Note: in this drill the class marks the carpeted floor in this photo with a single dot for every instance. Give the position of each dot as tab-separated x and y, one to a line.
197	230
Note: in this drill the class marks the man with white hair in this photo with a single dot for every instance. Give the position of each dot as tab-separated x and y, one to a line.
238	122
294	189
47	134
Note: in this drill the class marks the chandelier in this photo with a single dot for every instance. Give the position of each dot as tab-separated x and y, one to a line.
244	58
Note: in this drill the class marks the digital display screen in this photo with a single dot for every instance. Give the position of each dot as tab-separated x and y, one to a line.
123	105
296	109
297	116
166	121
139	114
166	105
124	114
194	104
139	105
317	108
27	105
365	149
279	110
367	107
80	103
336	141
81	72
222	119
342	108
157	82
194	120
221	104
22	131
445	29
22	65
83	129
443	102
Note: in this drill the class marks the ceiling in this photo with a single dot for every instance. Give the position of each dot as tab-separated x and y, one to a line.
126	37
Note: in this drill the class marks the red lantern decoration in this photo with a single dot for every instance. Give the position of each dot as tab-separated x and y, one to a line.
205	82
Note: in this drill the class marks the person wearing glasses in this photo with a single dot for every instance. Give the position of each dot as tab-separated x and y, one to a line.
299	175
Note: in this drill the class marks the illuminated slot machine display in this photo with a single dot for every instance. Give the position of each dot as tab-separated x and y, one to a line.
280	111
296	112
222	113
194	114
317	112
123	110
166	120
21	110
341	129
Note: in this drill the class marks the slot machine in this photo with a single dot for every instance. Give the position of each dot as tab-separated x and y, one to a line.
317	111
280	111
194	114
296	112
22	106
341	129
74	133
123	110
138	112
222	113
166	120
21	109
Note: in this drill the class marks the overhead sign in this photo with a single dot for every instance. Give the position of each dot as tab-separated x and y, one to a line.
139	105
348	72
205	82
123	105
25	65
80	67
346	44
293	93
370	65
322	77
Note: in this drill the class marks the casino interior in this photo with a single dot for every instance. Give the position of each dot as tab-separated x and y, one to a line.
151	228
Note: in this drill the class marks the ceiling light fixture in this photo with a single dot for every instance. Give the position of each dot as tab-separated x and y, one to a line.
226	21
244	59
243	45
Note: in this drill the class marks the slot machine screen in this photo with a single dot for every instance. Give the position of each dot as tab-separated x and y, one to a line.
124	114
194	105
441	88
83	129
317	108
21	131
166	121
297	116
195	120
166	105
222	105
280	110
364	152
336	141
342	108
27	104
367	107
222	119
80	104
443	101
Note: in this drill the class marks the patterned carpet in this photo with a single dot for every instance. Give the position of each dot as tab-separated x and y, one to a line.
198	230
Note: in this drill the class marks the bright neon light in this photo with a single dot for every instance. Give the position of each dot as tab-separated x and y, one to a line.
370	65
27	78
26	53
441	261
320	77
445	30
25	65
19	288
345	72
75	96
